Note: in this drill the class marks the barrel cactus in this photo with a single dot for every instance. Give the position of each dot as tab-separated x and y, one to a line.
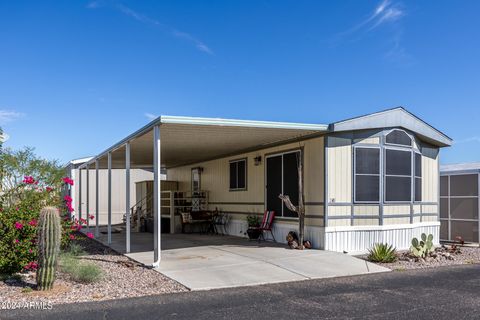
49	237
424	247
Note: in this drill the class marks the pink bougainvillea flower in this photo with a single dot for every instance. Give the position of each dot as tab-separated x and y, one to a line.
49	189
17	241
18	226
67	198
33	265
67	180
33	222
90	235
83	221
92	217
28	180
72	237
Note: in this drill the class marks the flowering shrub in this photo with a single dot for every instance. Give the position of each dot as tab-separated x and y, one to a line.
18	224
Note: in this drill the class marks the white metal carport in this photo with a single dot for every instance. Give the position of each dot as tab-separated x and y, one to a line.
170	141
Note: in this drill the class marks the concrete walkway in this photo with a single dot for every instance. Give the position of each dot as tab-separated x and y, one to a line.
202	262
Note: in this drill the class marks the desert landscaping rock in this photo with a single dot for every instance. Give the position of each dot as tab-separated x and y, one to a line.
122	278
467	255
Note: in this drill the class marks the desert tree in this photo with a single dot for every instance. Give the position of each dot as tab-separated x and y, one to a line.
300	207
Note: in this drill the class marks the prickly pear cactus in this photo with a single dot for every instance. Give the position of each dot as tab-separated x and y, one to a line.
49	236
424	247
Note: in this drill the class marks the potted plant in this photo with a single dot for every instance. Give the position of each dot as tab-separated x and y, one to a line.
253	222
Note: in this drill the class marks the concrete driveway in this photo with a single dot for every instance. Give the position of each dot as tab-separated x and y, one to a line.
202	262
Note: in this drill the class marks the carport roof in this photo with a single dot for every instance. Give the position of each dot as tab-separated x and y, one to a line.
186	140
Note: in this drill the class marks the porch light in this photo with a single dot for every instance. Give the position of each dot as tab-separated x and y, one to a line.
257	160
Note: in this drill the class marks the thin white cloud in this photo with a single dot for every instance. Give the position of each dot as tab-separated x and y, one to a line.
137	16
200	45
150	116
9	116
386	13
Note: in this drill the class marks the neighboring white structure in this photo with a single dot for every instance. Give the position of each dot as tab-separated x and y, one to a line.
369	179
460	202
87	207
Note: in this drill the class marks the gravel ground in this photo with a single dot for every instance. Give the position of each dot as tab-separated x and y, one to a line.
467	255
123	278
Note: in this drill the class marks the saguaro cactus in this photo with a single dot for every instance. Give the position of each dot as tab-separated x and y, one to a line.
49	236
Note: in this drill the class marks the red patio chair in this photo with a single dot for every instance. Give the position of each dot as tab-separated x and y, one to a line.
266	224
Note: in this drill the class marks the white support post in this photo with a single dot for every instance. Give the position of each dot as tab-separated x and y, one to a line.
79	193
127	192
109	201
87	210
156	197
97	206
172	212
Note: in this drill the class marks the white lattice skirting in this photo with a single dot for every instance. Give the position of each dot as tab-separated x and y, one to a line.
360	239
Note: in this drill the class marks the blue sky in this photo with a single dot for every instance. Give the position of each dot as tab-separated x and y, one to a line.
77	76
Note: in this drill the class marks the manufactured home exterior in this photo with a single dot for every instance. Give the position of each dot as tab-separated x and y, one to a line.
370	179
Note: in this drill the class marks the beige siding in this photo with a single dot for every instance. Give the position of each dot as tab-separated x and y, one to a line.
396	209
365	222
400	220
430	176
118	192
417	209
339	157
336	211
215	179
368	140
339	222
429	209
429	218
364	210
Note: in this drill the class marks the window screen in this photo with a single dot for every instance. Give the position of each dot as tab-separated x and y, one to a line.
398	163
398	175
418	177
464	185
367	174
399	137
238	174
444	186
464	208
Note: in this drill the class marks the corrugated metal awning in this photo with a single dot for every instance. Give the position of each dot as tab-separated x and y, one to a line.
186	140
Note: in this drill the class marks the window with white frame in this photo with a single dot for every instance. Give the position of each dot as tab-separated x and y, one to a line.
367	174
398	175
396	165
238	174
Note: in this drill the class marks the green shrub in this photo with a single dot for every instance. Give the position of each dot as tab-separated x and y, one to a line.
382	252
253	221
76	250
78	270
18	225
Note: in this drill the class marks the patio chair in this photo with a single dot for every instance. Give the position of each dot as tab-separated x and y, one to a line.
220	221
266	225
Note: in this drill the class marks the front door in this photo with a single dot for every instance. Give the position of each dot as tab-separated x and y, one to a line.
282	178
